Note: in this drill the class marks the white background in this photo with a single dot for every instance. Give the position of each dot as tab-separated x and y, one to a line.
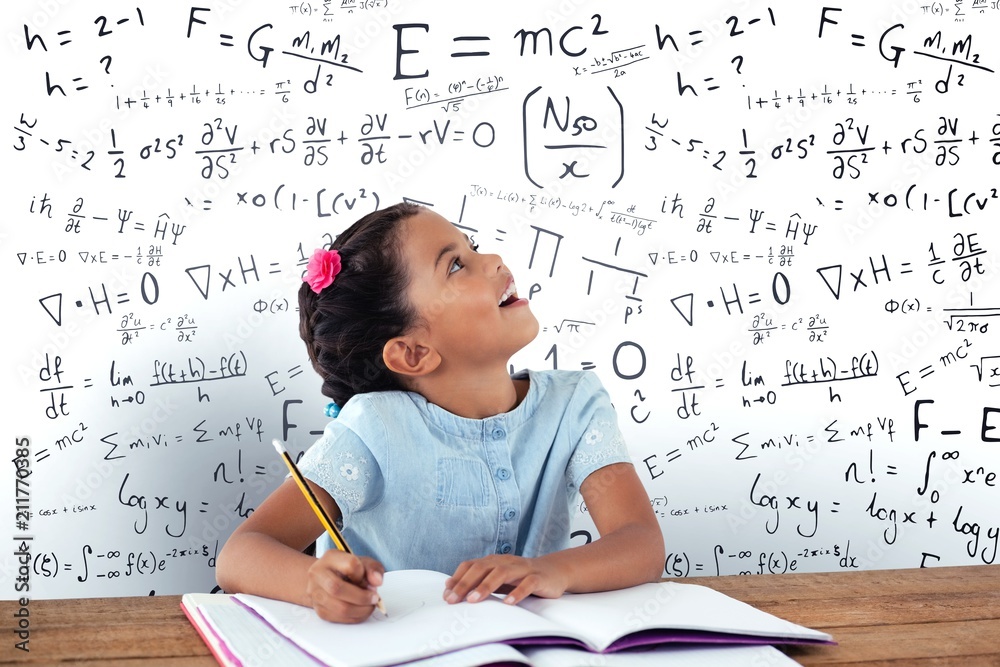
766	340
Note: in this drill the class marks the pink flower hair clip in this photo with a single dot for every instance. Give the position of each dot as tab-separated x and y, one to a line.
323	267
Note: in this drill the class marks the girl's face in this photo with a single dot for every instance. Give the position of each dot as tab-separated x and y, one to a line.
467	302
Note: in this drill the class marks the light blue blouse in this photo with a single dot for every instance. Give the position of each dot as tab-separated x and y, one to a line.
420	487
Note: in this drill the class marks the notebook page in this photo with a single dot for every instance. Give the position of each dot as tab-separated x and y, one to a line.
667	656
251	640
419	624
605	617
476	656
256	644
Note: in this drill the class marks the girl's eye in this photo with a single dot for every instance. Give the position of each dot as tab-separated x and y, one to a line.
457	264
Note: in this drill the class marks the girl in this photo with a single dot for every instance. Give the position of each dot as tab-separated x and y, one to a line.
439	459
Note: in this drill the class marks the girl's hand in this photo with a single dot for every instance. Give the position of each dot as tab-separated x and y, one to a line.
519	577
341	586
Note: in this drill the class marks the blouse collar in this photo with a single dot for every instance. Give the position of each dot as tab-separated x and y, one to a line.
475	428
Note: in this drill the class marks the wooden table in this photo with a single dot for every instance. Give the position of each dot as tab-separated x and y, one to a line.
934	616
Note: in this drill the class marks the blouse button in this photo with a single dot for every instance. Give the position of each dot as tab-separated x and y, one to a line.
503	474
505	548
498	433
510	514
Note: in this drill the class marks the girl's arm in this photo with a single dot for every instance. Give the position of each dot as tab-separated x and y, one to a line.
264	557
629	551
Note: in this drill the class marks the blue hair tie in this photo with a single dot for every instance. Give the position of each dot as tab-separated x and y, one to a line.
332	410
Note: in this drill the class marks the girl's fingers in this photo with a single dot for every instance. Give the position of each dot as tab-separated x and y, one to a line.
476	580
467	576
528	585
374	571
339	587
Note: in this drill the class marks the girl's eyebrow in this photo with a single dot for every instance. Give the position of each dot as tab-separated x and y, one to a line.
450	248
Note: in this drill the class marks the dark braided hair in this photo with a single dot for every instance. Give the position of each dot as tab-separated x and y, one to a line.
347	324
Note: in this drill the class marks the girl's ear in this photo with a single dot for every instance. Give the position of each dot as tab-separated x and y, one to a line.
407	356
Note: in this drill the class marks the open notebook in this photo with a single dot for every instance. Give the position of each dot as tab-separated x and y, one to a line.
420	625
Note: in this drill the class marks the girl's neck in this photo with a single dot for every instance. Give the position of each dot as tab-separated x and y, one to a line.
474	395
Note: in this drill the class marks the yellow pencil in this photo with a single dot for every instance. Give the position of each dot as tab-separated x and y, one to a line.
324	518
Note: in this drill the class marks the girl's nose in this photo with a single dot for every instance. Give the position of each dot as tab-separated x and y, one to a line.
492	263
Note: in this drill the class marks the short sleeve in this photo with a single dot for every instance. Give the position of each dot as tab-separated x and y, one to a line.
342	464
601	442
